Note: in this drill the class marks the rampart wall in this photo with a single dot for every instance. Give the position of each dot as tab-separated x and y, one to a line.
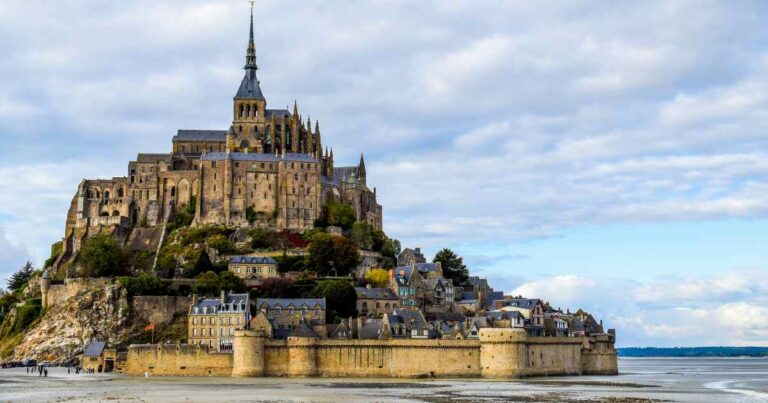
500	353
58	293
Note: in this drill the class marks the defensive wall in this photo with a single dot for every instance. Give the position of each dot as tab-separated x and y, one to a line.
499	353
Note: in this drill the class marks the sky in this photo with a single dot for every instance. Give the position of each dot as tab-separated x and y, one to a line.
609	156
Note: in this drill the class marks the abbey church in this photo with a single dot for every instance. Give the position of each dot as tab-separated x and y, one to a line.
269	168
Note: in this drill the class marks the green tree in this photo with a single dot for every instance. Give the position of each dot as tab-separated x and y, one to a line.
340	298
228	281
19	279
331	255
101	256
361	234
207	284
338	214
202	264
377	277
453	265
166	262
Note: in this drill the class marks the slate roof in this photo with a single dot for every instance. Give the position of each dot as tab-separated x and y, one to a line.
468	295
252	260
432	282
504	315
200	135
94	349
371	329
285	302
277	113
447	316
422	267
249	87
260	157
375	293
525	303
403	275
344	173
151	158
213	305
303	331
413	319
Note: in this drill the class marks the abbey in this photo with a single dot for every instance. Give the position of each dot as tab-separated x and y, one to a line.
269	168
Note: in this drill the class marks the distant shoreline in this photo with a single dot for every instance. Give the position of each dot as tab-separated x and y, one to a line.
693	352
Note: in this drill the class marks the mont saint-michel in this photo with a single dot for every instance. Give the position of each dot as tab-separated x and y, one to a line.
246	251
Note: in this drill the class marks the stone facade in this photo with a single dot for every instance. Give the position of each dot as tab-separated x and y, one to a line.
499	353
213	321
268	169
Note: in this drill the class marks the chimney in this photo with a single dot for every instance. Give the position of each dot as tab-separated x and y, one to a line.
418	251
223	296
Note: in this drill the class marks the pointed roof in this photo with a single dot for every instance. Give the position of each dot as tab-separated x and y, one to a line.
361	166
249	87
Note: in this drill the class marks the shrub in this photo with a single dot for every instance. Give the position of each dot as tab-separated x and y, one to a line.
101	256
220	243
145	284
377	278
55	252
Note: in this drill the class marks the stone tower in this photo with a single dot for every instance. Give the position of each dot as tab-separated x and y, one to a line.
249	107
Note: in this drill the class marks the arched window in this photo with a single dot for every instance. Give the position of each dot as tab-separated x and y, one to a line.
104	214
106	194
120	192
115	213
173	191
244	145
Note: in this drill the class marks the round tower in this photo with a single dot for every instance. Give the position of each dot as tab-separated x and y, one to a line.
502	352
45	284
248	353
301	356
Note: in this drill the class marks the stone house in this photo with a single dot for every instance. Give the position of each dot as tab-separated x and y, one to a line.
506	319
405	323
409	257
253	268
374	302
288	313
556	327
98	357
213	321
407	284
438	294
532	310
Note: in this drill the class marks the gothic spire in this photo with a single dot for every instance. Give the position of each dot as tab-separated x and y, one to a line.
250	56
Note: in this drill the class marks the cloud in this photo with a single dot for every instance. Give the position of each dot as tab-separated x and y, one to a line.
728	309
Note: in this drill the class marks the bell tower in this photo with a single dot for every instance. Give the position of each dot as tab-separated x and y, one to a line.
249	107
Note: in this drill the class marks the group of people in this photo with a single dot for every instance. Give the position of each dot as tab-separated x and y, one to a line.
41	370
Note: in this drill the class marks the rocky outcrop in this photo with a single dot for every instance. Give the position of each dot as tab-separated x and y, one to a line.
99	313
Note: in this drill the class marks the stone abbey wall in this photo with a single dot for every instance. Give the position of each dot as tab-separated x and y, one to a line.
500	353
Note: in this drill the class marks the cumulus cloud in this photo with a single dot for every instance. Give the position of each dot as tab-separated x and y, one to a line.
729	309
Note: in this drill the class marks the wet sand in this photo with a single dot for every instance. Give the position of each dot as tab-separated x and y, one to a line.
642	380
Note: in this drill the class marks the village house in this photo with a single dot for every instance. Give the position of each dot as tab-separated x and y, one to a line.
409	257
405	323
253	269
99	358
532	310
213	321
374	302
286	314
